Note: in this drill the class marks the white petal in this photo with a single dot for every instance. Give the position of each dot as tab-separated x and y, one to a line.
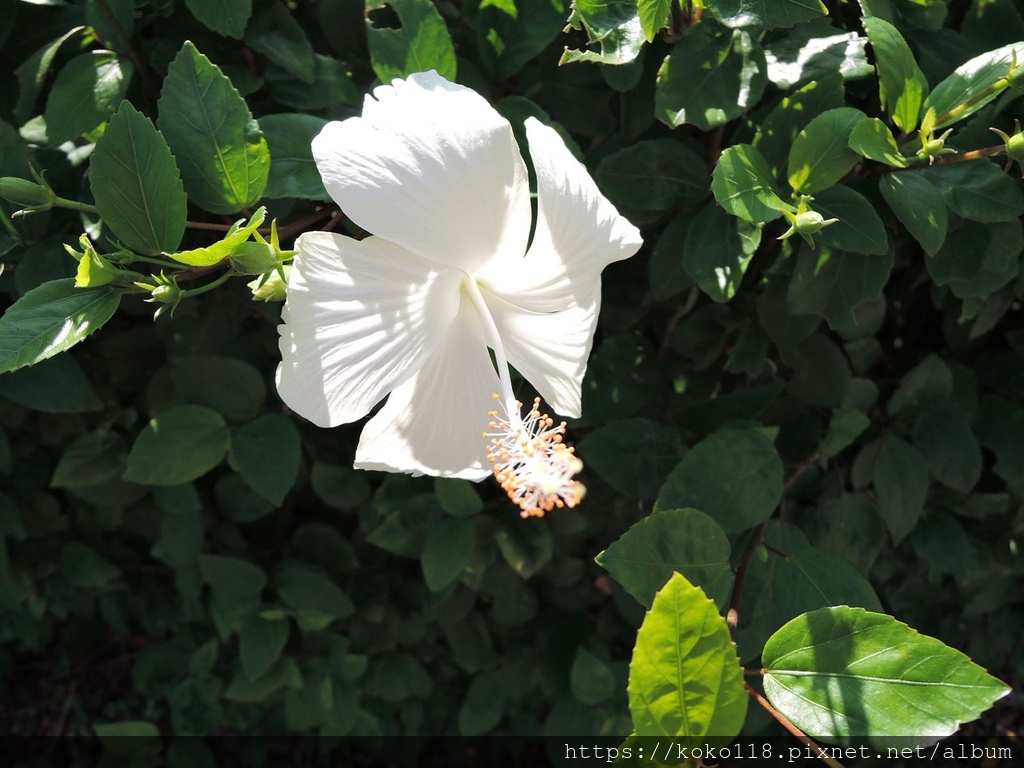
549	348
361	317
434	423
578	234
433	167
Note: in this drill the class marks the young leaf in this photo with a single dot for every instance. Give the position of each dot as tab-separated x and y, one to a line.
821	155
673	540
743	184
871	139
733	77
86	93
178	445
734	475
902	87
225	17
614	26
972	85
222	153
844	674
421	42
50	319
653	15
919	206
684	678
136	184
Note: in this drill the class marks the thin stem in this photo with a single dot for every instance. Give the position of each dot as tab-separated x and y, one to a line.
493	339
799	735
975	154
732	617
74	205
159	262
209	286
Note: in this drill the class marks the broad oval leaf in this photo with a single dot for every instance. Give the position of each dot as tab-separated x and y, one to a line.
653	15
654	175
226	17
758	13
902	87
178	445
744	185
845	675
671	541
821	155
901	480
718	250
685	679
136	184
50	319
919	206
833	283
979	191
972	85
732	76
871	138
632	455
86	92
293	172
734	475
422	41
615	27
859	228
222	153
447	552
267	452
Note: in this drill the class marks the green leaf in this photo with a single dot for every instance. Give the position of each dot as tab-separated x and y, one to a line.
292	170
332	86
901	480
136	184
854	529
483	706
776	133
236	586
312	594
734	475
821	373
260	642
86	93
815	578
820	155
871	138
632	455
93	458
744	185
178	445
952	451
421	42
765	13
267	452
919	206
901	85
85	568
58	385
209	255
972	85
671	541
517	32
833	284
732	76
458	497
591	680
816	51
447	552
718	250
220	149
225	17
977	259
859	228
845	675
275	33
653	16
526	548
927	385
613	26
846	425
32	74
654	175
979	190
51	319
339	487
684	678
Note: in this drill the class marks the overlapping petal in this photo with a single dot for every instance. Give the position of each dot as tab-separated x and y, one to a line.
578	234
360	319
549	348
432	167
434	423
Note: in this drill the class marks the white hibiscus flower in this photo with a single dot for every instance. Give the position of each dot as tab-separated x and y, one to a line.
434	172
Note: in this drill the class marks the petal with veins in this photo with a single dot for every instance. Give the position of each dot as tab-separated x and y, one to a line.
434	423
578	234
360	319
549	348
432	167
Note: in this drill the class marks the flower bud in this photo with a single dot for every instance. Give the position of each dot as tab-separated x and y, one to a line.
94	271
254	258
25	192
271	287
809	222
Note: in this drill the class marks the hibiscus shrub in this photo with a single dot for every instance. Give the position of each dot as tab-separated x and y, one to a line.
801	424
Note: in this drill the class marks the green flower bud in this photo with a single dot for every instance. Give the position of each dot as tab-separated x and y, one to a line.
271	286
165	294
809	222
94	271
25	192
254	258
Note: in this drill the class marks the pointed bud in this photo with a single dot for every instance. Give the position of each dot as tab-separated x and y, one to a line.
27	193
273	286
254	258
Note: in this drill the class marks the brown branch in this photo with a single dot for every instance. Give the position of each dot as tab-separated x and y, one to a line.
732	616
129	51
283	232
799	735
975	154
